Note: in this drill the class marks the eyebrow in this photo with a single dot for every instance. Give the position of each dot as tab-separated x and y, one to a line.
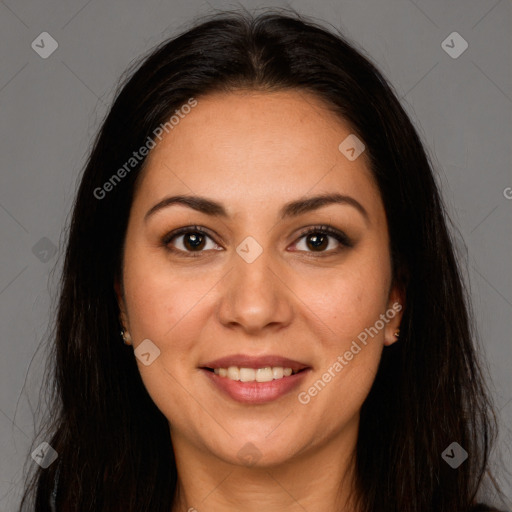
291	209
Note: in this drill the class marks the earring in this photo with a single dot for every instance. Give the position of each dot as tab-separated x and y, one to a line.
126	337
397	333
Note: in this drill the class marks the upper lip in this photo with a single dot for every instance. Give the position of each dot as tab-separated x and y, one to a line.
247	361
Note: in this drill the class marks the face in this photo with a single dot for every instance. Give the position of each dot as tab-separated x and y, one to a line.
255	281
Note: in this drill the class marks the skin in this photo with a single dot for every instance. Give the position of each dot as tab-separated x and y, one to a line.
253	152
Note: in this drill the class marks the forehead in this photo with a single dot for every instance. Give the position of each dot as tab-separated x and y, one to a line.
249	147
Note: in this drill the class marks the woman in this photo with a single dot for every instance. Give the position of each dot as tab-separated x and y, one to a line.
260	221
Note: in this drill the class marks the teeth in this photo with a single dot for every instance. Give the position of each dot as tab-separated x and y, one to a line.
265	374
247	374
233	373
278	372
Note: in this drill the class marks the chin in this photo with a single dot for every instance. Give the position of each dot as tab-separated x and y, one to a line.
255	451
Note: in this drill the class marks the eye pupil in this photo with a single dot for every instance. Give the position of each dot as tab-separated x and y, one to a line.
193	240
317	241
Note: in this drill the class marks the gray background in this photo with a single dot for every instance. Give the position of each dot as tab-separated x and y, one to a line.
51	108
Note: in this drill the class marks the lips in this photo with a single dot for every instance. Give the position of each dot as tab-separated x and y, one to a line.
255	392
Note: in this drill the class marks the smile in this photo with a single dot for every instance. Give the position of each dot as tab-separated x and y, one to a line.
242	384
265	374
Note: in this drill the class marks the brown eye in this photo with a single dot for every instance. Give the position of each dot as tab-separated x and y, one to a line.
318	239
189	240
194	241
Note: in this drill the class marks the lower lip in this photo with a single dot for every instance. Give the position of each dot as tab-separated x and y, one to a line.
256	392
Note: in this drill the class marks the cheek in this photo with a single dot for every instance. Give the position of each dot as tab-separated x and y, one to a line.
350	304
347	299
161	299
165	306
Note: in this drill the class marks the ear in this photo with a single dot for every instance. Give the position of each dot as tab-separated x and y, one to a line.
394	313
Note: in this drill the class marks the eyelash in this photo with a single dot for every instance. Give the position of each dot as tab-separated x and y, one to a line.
324	229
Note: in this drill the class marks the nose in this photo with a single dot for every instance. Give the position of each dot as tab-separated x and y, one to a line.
255	297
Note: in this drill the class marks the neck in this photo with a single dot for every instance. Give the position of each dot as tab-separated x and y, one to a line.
321	477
